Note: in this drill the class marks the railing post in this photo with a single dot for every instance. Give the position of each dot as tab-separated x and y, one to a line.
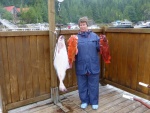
52	41
55	95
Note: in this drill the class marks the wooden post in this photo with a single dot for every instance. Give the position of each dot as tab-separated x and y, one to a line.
52	41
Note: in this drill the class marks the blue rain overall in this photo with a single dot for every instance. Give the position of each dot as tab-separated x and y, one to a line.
87	66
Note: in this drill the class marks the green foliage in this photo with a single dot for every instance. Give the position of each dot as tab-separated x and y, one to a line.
104	11
101	11
5	14
146	11
29	16
36	14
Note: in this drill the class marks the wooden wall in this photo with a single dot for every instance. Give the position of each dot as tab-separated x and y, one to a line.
130	53
25	67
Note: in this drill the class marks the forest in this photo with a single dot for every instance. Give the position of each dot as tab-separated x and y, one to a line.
101	11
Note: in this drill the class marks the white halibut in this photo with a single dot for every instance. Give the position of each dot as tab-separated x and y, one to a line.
61	63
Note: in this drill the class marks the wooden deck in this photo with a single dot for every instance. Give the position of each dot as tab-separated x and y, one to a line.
110	101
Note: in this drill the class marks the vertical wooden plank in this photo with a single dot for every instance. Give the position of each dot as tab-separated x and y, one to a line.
146	78
124	61
41	70
6	70
129	62
1	65
147	73
3	94
69	77
12	69
107	67
2	100
119	58
27	67
116	55
47	65
144	47
141	59
66	80
112	65
128	66
52	40
132	61
1	107
20	68
74	76
34	65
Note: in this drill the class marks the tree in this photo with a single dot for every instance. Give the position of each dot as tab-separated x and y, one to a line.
98	10
29	16
129	13
5	14
146	11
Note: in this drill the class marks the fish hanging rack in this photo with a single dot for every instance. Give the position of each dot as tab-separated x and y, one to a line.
59	25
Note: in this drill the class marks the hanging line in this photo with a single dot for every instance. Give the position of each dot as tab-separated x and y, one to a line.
59	9
59	25
59	28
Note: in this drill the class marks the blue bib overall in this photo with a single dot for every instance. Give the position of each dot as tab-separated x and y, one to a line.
87	66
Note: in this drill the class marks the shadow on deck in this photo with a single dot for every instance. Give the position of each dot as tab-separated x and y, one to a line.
110	101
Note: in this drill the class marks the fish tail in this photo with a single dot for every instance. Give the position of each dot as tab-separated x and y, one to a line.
62	86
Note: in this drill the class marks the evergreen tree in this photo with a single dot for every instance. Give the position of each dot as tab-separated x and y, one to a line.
101	11
5	14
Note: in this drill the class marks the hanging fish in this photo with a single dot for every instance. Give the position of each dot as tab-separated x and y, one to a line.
72	49
104	49
61	63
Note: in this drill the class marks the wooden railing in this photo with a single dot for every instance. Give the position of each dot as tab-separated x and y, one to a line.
130	53
25	64
25	67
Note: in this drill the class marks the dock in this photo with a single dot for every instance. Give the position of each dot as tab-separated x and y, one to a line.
111	100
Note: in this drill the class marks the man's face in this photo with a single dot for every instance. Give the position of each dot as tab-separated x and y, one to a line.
83	27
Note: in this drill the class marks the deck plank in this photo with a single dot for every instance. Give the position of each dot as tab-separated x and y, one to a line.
110	101
129	108
52	109
102	107
34	109
118	107
148	111
140	109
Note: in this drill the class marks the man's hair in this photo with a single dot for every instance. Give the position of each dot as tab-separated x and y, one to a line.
82	20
